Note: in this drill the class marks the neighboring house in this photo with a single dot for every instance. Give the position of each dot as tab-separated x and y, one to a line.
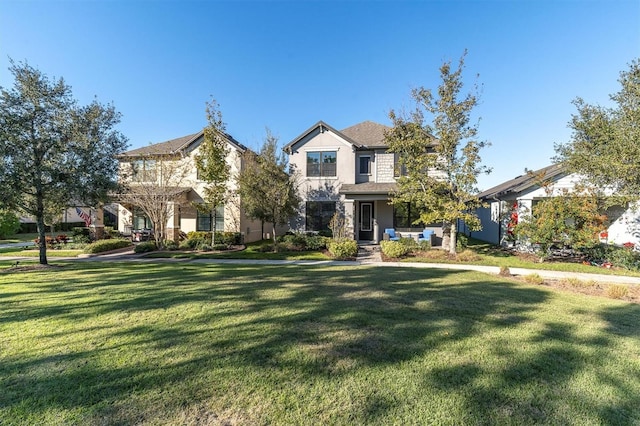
177	158
352	172
514	198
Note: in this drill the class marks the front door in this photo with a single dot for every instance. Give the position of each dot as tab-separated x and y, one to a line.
366	222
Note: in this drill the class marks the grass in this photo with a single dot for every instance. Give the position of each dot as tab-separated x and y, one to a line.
27	237
21	252
114	343
253	251
490	255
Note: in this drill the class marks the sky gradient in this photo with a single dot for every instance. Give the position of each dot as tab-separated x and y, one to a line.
287	65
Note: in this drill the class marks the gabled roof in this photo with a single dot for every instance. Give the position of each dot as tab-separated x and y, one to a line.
362	135
524	182
174	146
368	134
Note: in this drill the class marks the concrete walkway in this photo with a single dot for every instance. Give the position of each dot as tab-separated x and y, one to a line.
371	259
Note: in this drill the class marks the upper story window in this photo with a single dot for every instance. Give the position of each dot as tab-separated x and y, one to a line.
143	170
399	169
321	163
364	164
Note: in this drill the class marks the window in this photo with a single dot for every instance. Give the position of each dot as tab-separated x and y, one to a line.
204	220
399	169
140	220
322	163
365	165
319	214
404	215
143	170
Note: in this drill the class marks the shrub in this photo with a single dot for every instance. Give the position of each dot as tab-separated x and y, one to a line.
617	291
145	247
617	256
504	271
423	245
300	241
533	279
198	239
343	249
81	235
462	241
467	256
186	245
393	249
101	246
170	245
9	223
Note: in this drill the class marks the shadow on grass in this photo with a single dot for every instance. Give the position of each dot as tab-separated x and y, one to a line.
287	324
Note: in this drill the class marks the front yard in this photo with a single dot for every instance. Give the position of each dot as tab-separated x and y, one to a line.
116	343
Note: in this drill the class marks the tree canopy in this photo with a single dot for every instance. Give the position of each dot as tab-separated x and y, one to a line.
54	152
438	147
268	192
605	143
211	162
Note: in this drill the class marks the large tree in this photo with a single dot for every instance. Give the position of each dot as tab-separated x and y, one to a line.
212	164
54	152
605	144
438	148
267	190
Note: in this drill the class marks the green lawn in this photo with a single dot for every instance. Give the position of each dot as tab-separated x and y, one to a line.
20	252
115	343
491	255
18	238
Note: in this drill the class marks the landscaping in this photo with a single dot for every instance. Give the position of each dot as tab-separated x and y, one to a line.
114	343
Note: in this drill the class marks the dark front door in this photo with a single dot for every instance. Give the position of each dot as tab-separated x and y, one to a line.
366	222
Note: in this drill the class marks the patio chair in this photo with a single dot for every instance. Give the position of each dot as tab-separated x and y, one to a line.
392	234
425	235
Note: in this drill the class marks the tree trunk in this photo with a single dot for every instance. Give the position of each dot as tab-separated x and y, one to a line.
453	230
213	227
275	244
42	235
446	236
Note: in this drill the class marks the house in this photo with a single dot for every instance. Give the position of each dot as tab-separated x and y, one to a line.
171	166
508	201
349	171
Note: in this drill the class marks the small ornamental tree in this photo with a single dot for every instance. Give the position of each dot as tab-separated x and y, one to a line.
54	152
268	192
567	219
212	165
441	156
156	190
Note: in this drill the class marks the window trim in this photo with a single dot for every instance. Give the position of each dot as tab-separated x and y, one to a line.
320	163
360	158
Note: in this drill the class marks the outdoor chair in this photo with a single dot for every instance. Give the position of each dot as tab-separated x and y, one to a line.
392	234
425	235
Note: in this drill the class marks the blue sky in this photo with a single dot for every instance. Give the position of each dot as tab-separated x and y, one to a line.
286	65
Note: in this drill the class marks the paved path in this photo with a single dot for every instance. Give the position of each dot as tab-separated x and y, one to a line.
366	260
22	244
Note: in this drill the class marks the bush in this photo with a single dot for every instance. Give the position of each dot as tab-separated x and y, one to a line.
467	256
81	235
533	279
343	249
394	249
617	291
462	241
199	239
300	242
101	246
170	245
423	245
617	256
145	247
9	223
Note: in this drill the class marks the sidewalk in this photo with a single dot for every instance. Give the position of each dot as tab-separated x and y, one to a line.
366	260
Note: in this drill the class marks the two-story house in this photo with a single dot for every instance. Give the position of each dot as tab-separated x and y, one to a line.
170	168
350	171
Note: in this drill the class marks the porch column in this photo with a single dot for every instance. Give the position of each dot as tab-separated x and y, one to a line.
173	225
349	218
97	222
